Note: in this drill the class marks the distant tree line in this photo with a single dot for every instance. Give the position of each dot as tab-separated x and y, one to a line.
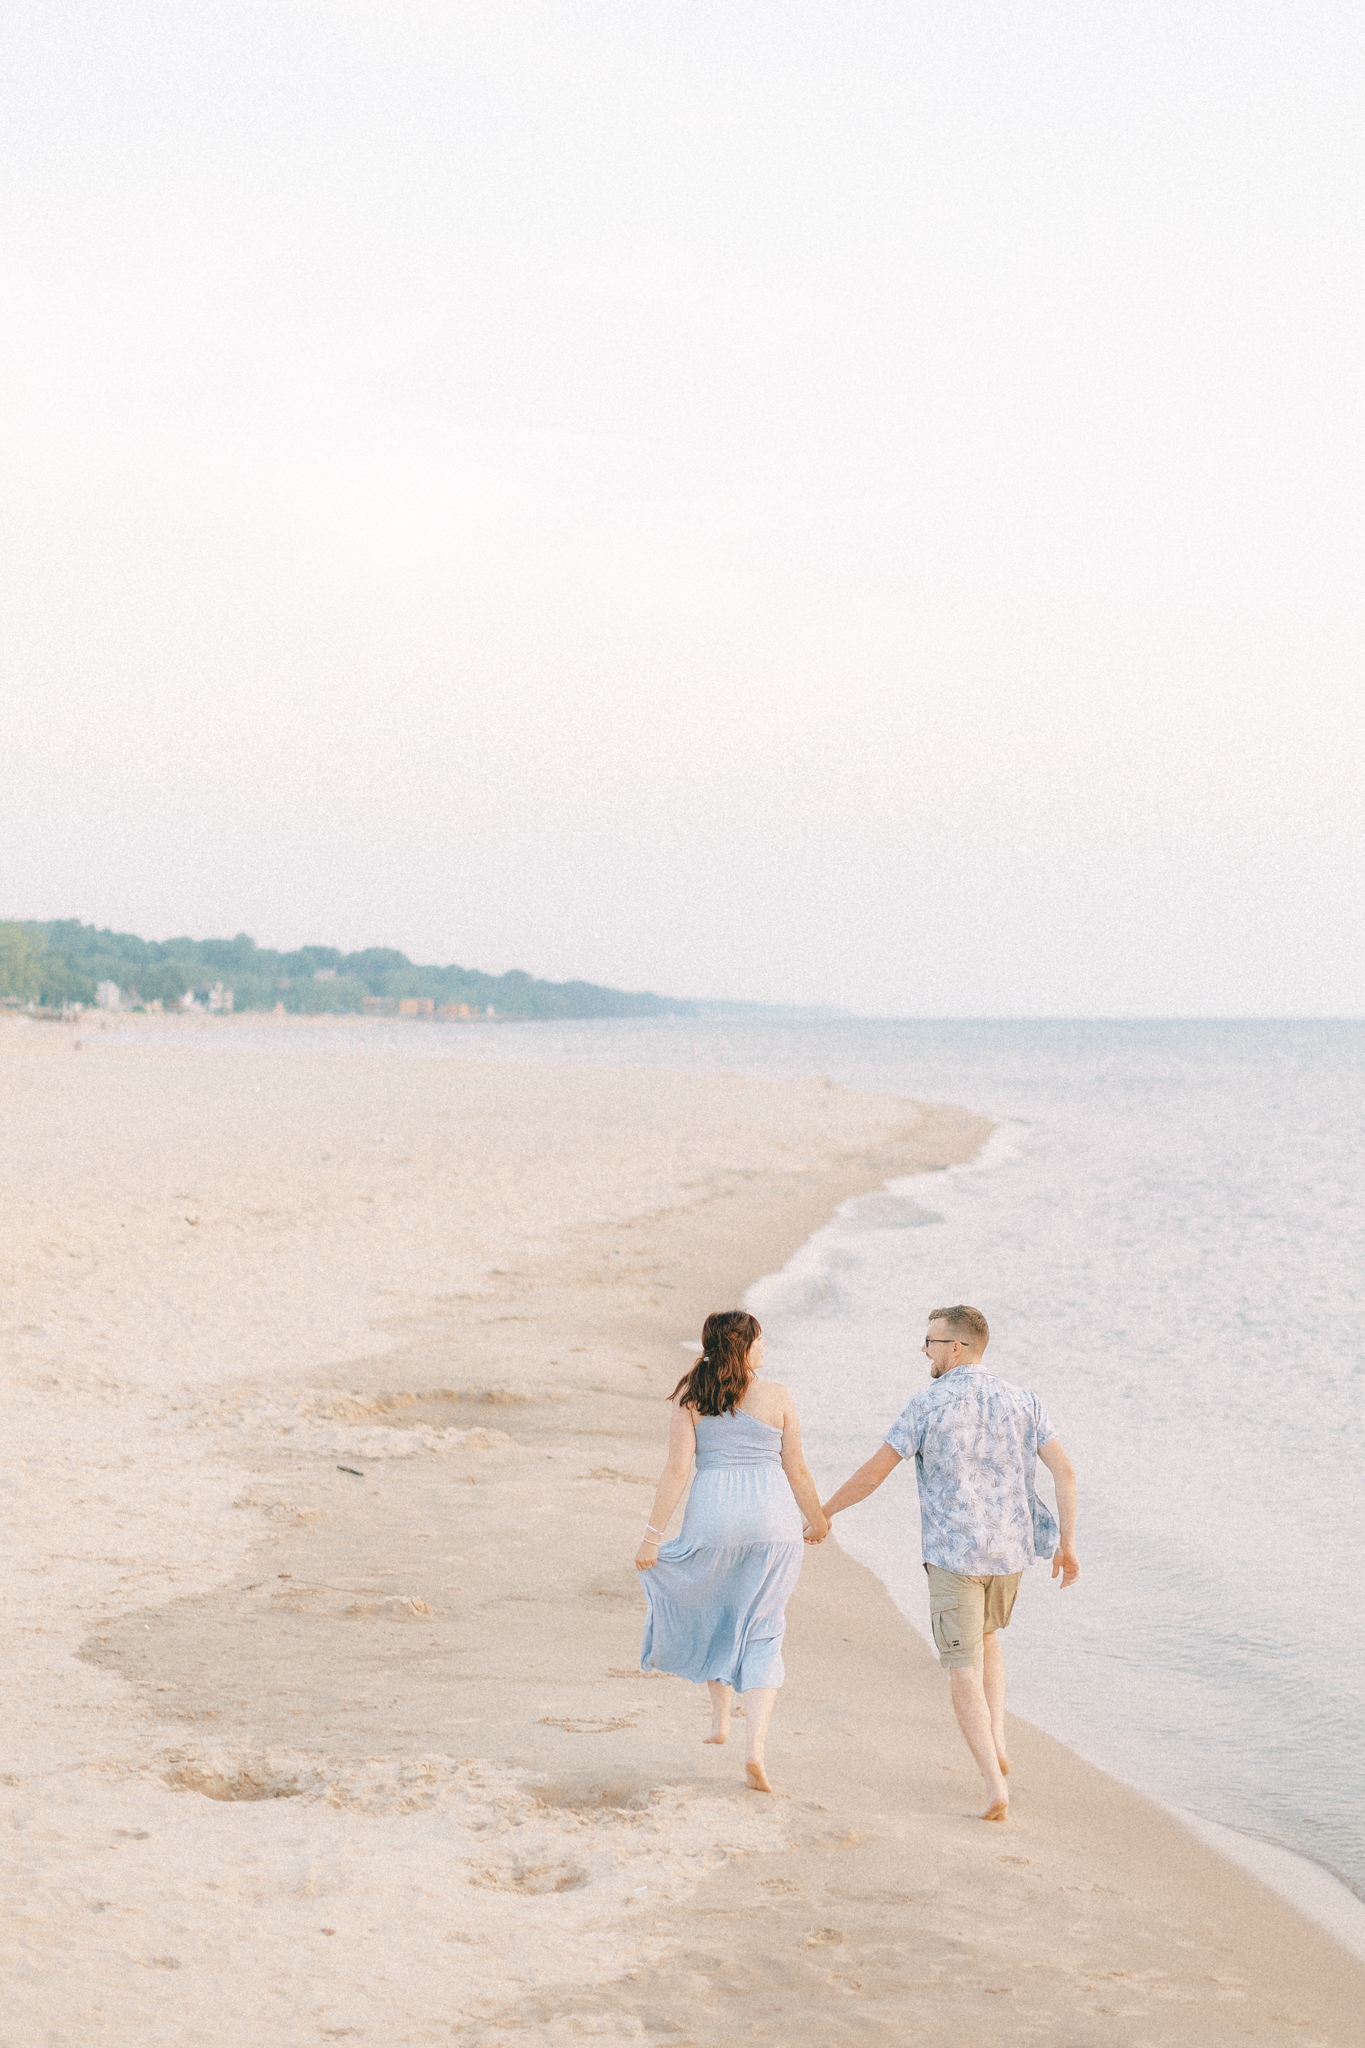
61	962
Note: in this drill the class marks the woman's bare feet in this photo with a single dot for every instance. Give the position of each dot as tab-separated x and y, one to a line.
720	1711
759	1702
997	1810
1003	1762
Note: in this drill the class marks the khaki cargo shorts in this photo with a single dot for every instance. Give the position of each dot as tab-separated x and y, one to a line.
963	1611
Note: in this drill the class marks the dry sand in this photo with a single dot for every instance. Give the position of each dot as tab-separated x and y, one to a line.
296	1755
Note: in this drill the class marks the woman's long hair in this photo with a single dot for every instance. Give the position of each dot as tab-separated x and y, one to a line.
719	1377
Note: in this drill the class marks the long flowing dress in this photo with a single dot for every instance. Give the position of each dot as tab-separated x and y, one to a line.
718	1594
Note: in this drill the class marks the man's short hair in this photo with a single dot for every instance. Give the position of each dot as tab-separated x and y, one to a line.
968	1324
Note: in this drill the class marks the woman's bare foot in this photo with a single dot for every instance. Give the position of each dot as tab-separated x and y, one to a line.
997	1810
758	1777
720	1711
1004	1764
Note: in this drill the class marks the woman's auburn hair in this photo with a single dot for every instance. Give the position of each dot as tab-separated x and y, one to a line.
718	1379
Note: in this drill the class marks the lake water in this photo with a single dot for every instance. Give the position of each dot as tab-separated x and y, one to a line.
1167	1234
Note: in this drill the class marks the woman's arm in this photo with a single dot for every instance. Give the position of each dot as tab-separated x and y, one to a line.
682	1448
798	1473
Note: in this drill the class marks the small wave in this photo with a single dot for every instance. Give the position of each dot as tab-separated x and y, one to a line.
887	1210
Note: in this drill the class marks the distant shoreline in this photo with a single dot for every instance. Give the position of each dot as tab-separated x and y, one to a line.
61	962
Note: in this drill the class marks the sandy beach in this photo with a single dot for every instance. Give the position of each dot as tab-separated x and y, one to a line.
335	1387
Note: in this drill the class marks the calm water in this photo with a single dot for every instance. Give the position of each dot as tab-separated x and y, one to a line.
1167	1234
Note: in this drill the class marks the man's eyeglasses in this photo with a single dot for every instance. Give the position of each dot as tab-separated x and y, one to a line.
939	1340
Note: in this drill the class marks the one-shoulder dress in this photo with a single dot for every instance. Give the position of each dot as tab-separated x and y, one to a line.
718	1594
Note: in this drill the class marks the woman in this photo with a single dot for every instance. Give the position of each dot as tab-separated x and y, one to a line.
718	1592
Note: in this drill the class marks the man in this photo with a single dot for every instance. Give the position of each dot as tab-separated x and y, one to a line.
974	1440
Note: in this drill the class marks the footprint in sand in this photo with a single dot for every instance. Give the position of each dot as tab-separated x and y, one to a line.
606	1726
533	1879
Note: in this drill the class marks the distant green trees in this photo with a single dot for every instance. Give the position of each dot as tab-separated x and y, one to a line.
163	981
34	972
61	961
19	971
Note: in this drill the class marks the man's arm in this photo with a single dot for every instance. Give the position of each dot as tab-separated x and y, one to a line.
865	1480
1063	1472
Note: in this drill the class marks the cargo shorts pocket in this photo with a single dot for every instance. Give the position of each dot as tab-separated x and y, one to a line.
945	1622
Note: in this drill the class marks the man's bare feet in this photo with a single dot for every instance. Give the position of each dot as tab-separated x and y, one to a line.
716	1735
758	1777
1004	1764
997	1810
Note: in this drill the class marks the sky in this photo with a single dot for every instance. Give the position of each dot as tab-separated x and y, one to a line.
838	504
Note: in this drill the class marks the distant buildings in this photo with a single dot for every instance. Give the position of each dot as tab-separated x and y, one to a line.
217	999
108	995
420	1006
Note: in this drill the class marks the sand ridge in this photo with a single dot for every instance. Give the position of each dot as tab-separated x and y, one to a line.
336	1394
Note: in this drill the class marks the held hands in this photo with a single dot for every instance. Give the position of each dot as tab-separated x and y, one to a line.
1068	1564
817	1530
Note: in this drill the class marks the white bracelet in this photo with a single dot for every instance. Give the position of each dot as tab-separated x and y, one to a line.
652	1530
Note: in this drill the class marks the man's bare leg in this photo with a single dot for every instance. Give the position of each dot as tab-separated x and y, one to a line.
993	1681
720	1710
974	1719
758	1711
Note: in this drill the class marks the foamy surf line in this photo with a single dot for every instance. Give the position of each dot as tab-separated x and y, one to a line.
839	1432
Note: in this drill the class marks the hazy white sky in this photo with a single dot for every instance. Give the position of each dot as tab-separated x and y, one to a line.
852	503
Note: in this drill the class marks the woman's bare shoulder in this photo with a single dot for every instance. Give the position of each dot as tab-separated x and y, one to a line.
769	1401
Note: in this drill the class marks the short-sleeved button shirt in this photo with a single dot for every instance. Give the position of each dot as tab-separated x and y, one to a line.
975	1442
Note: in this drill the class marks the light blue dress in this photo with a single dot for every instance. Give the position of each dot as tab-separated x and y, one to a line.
718	1594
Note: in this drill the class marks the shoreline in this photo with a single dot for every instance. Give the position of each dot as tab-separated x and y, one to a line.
346	1394
1311	1887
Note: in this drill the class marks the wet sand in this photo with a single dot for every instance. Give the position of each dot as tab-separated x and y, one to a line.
307	1753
